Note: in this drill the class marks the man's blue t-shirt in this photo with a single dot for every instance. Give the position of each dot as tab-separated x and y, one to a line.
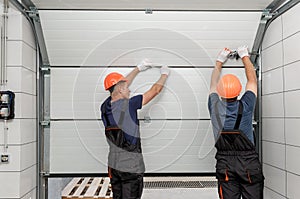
130	124
229	110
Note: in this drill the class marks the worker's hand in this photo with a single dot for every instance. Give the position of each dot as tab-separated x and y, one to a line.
144	65
223	55
243	51
164	70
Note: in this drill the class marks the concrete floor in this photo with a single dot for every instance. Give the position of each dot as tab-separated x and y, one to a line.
181	193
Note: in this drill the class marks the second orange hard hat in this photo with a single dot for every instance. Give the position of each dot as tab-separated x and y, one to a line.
229	86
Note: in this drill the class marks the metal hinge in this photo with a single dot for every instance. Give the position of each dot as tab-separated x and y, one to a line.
148	11
45	123
44	173
34	14
147	119
266	14
46	68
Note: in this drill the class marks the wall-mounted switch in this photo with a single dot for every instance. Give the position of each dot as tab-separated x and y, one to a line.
4	158
7	105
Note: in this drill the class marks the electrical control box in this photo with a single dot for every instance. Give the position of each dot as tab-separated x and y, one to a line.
7	105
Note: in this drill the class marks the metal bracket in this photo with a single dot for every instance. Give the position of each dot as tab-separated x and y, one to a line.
266	15
148	11
34	14
46	69
44	173
45	123
147	119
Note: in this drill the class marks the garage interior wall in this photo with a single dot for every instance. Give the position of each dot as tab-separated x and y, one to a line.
18	177
280	106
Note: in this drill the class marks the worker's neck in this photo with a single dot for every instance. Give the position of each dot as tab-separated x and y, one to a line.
116	97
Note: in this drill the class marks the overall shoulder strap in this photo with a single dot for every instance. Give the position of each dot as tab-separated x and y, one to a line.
103	110
239	117
218	115
122	115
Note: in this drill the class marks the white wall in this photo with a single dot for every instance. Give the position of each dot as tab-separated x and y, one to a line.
280	106
18	177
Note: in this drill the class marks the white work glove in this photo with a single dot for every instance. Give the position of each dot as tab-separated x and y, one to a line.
164	70
223	55
243	51
144	65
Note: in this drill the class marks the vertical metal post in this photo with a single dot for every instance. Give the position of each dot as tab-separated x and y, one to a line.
255	58
44	131
44	103
3	72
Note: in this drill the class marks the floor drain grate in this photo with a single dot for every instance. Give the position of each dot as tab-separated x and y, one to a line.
209	184
180	184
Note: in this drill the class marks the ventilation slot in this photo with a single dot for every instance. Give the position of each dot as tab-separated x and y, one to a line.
179	184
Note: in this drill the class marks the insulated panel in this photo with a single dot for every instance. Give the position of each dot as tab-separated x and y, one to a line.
114	38
83	47
77	93
168	146
182	144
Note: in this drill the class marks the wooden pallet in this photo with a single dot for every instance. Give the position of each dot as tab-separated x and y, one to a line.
88	188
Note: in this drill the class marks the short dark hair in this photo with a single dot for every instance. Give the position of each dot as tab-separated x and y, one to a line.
112	88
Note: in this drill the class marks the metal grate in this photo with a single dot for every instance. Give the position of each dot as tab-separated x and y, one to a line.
209	184
179	184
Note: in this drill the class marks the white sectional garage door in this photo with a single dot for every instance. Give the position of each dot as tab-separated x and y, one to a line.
85	46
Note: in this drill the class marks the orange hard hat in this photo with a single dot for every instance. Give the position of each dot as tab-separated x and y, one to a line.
229	86
112	79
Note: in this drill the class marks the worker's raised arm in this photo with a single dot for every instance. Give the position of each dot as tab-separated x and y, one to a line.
215	76
156	87
142	66
249	69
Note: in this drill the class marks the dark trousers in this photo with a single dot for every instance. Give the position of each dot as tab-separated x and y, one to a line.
234	190
239	175
126	185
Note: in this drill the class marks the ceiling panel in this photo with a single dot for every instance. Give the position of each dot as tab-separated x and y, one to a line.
154	4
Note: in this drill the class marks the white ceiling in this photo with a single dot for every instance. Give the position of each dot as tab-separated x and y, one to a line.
256	5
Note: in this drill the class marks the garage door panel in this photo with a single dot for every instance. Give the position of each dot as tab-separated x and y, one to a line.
78	93
82	146
127	33
83	47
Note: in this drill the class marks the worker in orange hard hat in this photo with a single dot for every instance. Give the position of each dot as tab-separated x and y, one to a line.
238	169
119	115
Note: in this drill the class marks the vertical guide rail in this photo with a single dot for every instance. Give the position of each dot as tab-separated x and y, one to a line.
44	131
3	71
256	62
